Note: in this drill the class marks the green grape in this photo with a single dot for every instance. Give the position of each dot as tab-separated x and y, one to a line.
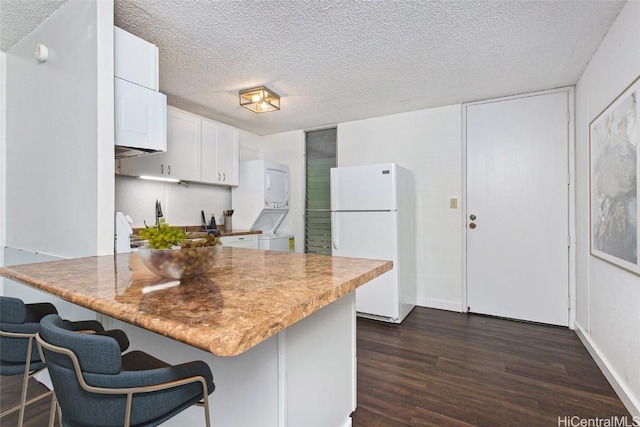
162	237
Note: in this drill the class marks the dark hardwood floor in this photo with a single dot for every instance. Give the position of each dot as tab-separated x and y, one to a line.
36	414
441	368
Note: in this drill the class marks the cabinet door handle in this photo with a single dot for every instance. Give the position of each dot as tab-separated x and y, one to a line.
168	169
161	169
218	176
224	176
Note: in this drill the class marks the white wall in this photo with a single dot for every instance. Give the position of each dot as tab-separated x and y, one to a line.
3	98
250	146
288	148
608	317
60	189
3	145
427	142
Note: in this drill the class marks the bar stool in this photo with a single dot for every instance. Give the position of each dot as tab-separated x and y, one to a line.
19	323
96	385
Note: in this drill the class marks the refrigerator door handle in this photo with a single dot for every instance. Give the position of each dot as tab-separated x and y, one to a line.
334	231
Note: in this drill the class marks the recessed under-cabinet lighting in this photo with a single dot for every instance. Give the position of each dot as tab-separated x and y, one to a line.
157	178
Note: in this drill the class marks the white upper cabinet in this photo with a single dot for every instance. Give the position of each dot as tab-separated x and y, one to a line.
198	150
136	60
182	159
140	110
220	154
228	155
140	117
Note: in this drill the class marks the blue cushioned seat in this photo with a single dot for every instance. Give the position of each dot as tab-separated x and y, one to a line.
19	323
96	385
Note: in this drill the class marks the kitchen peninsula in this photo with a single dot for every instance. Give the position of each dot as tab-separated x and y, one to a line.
277	329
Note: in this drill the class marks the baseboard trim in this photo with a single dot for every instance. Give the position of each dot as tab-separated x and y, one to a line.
439	304
623	392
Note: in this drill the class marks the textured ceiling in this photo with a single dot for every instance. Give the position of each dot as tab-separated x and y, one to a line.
340	61
19	17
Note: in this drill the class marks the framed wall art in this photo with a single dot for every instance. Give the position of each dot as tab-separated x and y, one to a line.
613	136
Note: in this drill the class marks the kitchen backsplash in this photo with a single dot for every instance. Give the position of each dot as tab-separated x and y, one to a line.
181	204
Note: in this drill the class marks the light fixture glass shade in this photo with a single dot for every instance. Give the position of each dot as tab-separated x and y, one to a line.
259	99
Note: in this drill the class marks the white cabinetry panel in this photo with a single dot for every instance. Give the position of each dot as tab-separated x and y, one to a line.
227	155
220	154
140	115
182	159
198	150
135	60
245	241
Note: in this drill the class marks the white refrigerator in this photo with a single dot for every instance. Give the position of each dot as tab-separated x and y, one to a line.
373	216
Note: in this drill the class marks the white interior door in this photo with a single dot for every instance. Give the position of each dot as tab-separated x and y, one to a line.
517	208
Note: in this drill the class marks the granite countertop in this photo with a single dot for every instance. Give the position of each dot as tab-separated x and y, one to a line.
248	296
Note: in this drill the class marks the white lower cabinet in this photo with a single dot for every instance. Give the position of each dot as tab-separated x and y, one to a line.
244	241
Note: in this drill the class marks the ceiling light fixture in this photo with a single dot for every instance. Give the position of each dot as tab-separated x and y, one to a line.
259	99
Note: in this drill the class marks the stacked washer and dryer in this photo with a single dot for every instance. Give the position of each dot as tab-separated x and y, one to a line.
261	201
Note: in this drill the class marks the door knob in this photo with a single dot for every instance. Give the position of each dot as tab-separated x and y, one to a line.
472	225
472	217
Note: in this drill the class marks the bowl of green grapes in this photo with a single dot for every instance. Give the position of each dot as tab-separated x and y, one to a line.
171	255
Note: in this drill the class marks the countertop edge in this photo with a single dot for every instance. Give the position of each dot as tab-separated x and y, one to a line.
243	340
122	313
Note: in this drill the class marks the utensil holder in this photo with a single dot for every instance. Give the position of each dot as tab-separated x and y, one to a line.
227	224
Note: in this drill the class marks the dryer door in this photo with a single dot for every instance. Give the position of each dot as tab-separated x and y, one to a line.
276	189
